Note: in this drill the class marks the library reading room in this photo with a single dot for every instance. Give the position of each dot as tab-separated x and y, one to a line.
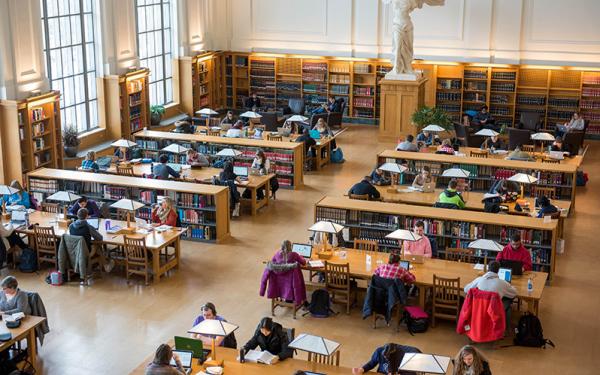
299	187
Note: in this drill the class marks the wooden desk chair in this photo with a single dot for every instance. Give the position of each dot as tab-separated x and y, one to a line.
528	148
446	299
46	245
367	245
478	154
275	302
214	133
459	255
125	170
274	137
362	197
546	191
137	260
51	207
331	360
337	282
550	160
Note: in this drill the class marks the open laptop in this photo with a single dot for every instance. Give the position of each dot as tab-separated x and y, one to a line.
558	155
315	134
505	274
515	265
192	345
429	187
223	127
95	222
305	250
18	218
415	259
242	172
185	356
285	132
405	264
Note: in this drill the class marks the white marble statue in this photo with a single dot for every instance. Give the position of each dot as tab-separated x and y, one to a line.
402	37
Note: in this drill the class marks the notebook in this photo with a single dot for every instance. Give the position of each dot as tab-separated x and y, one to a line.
258	356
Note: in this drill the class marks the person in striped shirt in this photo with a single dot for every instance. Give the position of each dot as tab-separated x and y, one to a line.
393	270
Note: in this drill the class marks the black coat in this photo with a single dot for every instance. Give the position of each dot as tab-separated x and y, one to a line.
364	187
382	295
276	343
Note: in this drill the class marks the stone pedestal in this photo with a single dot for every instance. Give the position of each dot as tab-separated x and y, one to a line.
399	100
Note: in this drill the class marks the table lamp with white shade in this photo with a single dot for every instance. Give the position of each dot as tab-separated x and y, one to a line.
315	345
175	148
251	115
326	227
229	152
523	179
297	118
213	328
403	235
422	363
6	190
488	133
432	128
66	197
207	112
129	206
125	143
394	169
487	245
542	137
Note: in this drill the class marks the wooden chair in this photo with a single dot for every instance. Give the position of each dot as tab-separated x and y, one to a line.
528	148
46	245
550	160
362	197
214	133
51	207
337	282
137	260
125	170
478	154
459	255
121	214
274	137
446	299
275	302
545	191
331	360
367	245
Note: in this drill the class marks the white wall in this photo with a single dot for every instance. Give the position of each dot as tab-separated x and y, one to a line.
557	32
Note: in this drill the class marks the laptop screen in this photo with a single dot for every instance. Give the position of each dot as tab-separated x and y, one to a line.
505	274
314	134
94	222
241	171
302	249
185	357
405	264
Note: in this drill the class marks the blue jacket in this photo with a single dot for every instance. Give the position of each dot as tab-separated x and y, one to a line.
382	295
379	179
377	359
21	198
163	171
364	187
427	140
92	207
546	211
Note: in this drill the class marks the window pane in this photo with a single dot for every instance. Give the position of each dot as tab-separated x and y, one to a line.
56	63
75	29
74	6
77	60
51	8
67	59
92	92
93	108
89	28
90	56
65	31
53	33
167	15
141	20
79	89
168	65
158	50
63	6
158	69
87	6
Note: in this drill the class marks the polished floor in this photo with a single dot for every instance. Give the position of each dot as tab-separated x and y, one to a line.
110	327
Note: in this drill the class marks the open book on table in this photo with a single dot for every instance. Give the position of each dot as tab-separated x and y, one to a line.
258	356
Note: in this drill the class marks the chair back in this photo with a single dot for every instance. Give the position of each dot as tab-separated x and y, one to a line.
459	255
337	276
446	291
125	170
135	249
269	120
50	207
574	141
366	245
528	148
474	140
274	137
545	191
362	197
297	106
530	120
478	154
45	238
331	360
518	137
461	132
334	120
314	118
214	133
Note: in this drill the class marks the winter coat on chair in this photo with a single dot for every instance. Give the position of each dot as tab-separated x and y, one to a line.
382	295
482	316
288	284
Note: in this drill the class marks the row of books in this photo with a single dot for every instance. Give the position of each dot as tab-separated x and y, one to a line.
199	232
38	128
314	77
309	87
590	104
499	99
41	159
477	74
339	78
591	80
38	144
37	114
563	102
135	99
311	67
504	75
588	91
147	144
475	85
115	192
363	102
506	87
339	90
369	91
531	100
449	107
43	186
449	84
188	216
135	85
267	65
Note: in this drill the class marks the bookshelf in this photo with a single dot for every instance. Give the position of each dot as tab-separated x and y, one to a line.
451	228
206	81
590	100
135	102
204	209
288	80
314	83
262	80
286	157
449	96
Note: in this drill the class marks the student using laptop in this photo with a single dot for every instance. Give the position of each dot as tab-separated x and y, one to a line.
82	228
423	178
20	198
490	282
209	311
163	170
261	162
228	176
386	358
196	159
286	260
160	365
89	163
450	197
228	119
393	270
420	247
378	177
516	251
407	145
309	143
90	205
10	238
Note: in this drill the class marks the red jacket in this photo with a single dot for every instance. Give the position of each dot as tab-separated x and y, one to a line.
171	218
482	316
522	255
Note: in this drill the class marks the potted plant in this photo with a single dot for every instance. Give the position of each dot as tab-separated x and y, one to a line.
156	112
431	115
71	141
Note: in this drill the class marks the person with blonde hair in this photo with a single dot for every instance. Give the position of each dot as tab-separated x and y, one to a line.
89	163
164	214
469	361
20	198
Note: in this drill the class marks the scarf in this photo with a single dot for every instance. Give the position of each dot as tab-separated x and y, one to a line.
163	214
282	267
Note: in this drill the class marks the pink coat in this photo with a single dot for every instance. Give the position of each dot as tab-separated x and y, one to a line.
288	285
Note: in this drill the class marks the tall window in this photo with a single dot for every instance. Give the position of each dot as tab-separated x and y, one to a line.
69	50
155	46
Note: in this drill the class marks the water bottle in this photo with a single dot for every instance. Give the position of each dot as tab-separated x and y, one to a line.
242	353
529	286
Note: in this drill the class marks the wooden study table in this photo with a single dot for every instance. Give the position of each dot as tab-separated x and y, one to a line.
232	367
25	331
443	268
155	242
204	175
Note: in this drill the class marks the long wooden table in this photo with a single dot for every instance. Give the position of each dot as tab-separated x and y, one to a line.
25	331
360	269
155	242
233	367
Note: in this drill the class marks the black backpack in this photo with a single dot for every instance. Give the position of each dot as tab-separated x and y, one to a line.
28	260
415	321
530	333
320	305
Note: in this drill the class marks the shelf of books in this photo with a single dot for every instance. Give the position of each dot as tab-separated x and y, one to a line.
262	80
207	81
287	157
448	96
450	228
288	80
135	103
340	82
590	101
484	172
241	82
314	83
503	88
364	83
204	209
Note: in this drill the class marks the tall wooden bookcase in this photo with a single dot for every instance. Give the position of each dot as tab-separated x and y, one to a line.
134	101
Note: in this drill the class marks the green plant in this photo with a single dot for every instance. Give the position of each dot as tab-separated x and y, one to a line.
157	110
431	115
70	136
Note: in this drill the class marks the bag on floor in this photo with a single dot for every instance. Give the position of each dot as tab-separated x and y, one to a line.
581	178
320	304
337	155
28	260
530	333
417	320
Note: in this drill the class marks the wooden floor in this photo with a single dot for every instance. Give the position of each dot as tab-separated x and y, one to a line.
110	327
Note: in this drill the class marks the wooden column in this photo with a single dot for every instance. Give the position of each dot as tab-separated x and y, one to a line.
399	99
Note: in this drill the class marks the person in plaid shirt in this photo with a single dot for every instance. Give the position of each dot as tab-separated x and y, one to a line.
392	270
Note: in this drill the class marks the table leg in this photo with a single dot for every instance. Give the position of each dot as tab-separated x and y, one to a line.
422	292
177	252
156	264
253	202
32	348
267	192
319	149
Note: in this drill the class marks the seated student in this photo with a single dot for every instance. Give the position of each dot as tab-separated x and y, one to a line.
576	123
183	127
261	162
451	196
209	311
164	214
387	358
445	148
516	251
249	130
419	247
89	163
469	361
82	228
423	178
271	337
13	299
228	119
9	238
196	159
508	191
483	117
20	198
559	145
546	208
493	143
236	130
253	102
517	154
228	176
490	282
284	277
378	177
392	270
161	364
162	170
309	143
90	205
122	154
426	137
407	145
365	187
323	128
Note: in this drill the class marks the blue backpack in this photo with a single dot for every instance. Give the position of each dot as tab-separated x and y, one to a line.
337	156
28	260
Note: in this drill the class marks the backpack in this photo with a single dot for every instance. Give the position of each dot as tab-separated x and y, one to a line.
320	304
581	178
230	341
530	333
28	260
337	155
417	320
